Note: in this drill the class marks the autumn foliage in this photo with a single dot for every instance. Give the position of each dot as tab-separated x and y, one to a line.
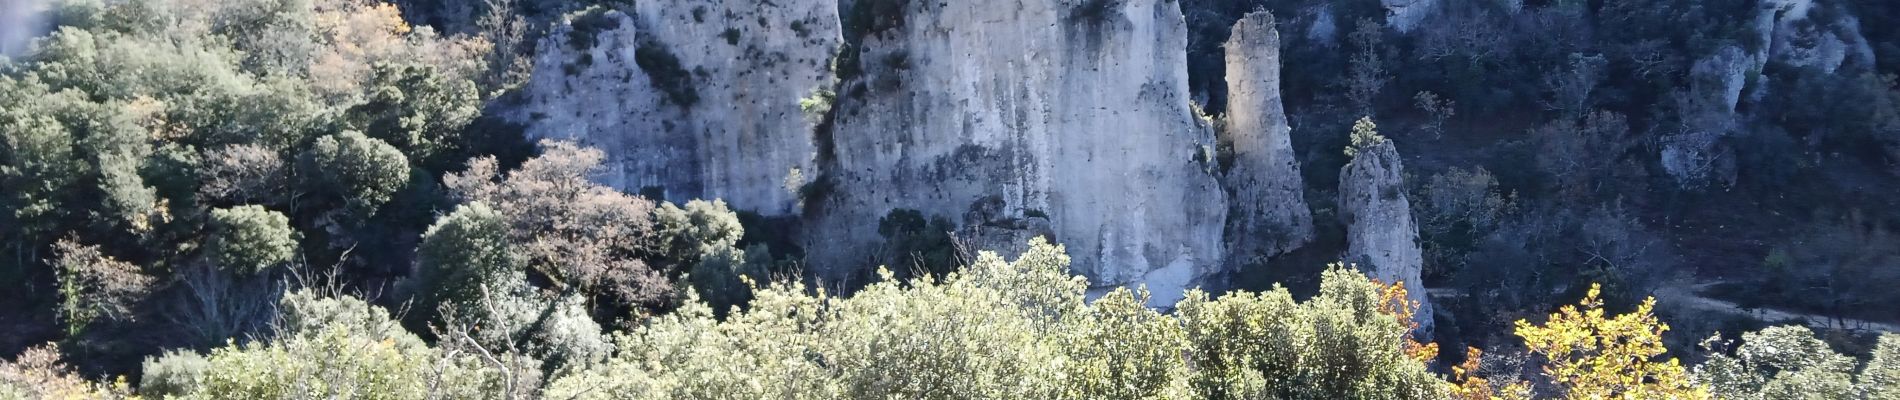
1590	355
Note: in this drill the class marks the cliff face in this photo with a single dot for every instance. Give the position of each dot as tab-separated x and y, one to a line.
1059	118
1268	213
697	98
1075	110
1381	237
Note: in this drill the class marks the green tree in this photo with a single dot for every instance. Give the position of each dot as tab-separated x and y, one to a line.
1783	362
40	170
702	239
1340	344
1364	134
250	239
463	258
698	228
364	170
418	109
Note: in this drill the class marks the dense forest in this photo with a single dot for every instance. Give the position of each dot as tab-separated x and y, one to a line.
253	199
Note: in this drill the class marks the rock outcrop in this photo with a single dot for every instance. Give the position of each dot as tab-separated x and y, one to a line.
1381	236
1266	201
1074	111
1796	36
1693	155
692	98
1816	34
1403	15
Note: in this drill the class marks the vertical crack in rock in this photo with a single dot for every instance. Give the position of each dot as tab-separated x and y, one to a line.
1073	111
1268	214
691	98
1381	237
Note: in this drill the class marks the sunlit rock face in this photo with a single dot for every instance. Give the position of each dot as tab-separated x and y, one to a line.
692	98
1381	236
1071	111
1059	118
1268	213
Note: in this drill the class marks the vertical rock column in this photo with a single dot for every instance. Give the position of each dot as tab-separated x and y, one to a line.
1267	209
1381	237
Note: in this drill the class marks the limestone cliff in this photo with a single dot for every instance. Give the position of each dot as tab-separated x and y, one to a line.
1071	110
1268	213
694	98
1381	236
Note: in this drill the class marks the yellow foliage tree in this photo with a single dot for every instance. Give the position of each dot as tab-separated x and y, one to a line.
1393	300
1593	356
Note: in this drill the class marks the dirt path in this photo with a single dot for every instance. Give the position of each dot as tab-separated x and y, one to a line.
1690	297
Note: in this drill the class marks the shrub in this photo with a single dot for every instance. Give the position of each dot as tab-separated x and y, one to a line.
173	373
1016	329
1783	362
419	109
250	239
367	172
1365	134
587	25
665	73
463	256
341	348
38	373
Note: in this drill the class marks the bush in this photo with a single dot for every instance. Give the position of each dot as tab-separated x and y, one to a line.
665	73
173	373
463	258
250	239
1783	362
341	348
419	109
587	25
1018	329
366	172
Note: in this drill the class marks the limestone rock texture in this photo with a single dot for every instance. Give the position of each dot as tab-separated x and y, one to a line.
1381	235
695	98
1267	206
1404	15
1800	39
1073	111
